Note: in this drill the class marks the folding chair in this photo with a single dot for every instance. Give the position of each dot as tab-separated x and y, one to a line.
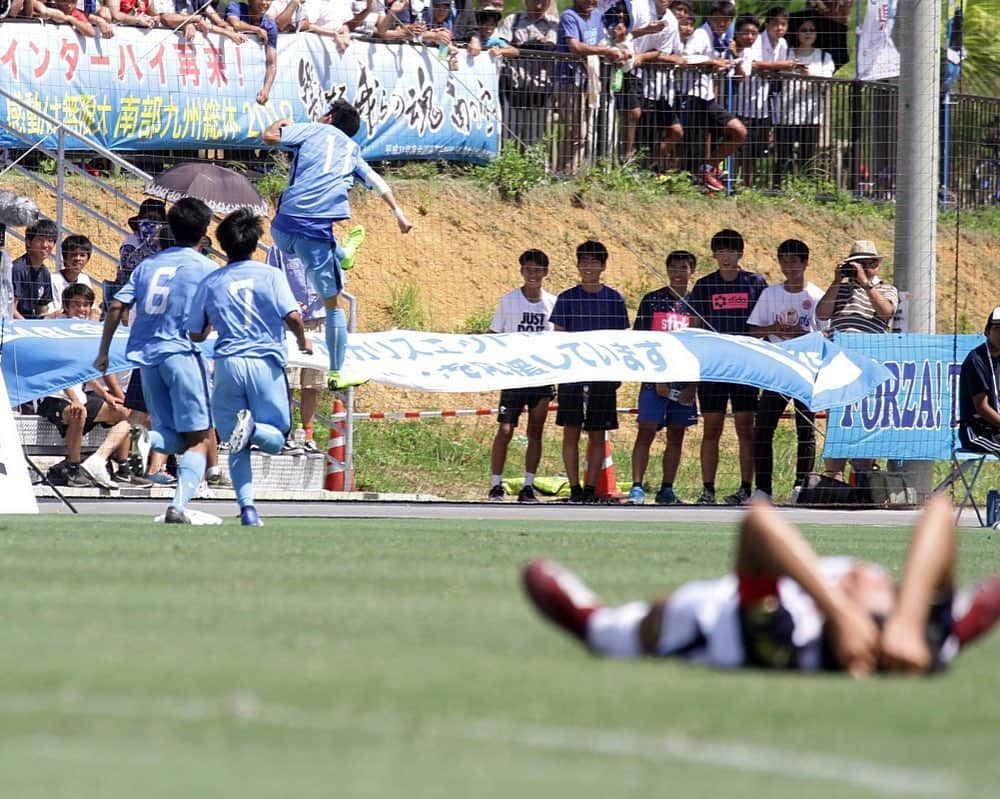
964	461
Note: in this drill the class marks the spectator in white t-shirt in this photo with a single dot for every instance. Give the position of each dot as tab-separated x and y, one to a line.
523	310
784	311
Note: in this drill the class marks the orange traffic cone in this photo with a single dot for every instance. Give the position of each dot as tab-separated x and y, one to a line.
337	476
607	482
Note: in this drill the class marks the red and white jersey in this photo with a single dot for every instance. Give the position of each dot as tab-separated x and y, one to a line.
701	621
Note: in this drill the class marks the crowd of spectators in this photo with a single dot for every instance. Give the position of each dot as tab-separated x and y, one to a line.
709	84
732	300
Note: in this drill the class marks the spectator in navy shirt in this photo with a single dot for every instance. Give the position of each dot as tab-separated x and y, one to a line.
722	302
30	274
252	18
591	406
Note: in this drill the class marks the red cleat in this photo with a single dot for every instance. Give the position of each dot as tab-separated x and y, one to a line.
560	596
982	610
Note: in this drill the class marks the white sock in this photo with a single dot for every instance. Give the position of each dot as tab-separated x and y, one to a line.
213	471
529	478
615	631
496	480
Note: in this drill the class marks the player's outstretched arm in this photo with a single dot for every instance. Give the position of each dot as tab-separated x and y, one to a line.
930	567
770	546
273	133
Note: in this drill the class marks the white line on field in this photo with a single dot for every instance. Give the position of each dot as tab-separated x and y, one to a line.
245	707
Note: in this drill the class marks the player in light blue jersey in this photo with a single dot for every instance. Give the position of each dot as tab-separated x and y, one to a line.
326	163
249	304
174	380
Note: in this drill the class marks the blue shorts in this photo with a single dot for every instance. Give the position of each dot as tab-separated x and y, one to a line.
663	410
176	394
255	383
319	259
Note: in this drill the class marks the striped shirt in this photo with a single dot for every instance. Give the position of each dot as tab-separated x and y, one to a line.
853	311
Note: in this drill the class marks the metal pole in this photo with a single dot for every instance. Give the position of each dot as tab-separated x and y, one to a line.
917	177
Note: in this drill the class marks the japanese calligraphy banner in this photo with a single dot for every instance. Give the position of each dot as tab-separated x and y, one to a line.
914	414
152	90
810	368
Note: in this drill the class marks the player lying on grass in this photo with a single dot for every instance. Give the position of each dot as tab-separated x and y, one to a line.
787	608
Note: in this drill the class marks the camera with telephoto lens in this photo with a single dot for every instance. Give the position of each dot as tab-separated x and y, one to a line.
847	270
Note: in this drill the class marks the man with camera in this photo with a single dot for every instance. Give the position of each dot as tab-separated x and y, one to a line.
858	301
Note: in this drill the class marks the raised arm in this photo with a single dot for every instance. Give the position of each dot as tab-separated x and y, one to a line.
770	546
930	568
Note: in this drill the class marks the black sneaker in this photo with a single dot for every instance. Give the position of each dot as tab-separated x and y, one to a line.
77	478
590	496
576	494
496	494
174	516
527	494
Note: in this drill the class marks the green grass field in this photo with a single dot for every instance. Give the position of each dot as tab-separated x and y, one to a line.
344	658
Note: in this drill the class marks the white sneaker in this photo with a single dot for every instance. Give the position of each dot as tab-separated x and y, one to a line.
242	432
759	496
96	468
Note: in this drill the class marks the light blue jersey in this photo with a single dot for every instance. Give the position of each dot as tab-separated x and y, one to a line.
160	291
246	302
324	168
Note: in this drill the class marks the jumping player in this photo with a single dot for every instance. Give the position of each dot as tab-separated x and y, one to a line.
174	380
325	165
786	608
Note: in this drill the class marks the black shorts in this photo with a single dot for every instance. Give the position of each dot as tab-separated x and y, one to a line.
756	142
629	96
713	397
661	114
592	406
513	401
134	400
52	408
705	116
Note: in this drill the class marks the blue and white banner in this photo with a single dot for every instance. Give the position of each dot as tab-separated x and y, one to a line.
811	368
914	414
40	357
152	90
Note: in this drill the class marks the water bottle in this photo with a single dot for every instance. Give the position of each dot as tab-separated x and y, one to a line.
992	507
300	437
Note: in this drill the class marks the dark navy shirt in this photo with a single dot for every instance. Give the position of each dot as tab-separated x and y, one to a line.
726	306
577	310
32	287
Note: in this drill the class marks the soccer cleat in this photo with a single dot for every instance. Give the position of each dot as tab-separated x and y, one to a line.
637	496
337	382
560	596
242	432
741	497
125	474
174	516
707	497
710	179
527	494
249	517
495	494
96	468
980	604
666	496
355	238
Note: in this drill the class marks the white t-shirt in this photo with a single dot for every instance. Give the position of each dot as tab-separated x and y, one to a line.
517	314
776	304
59	284
657	79
697	50
801	102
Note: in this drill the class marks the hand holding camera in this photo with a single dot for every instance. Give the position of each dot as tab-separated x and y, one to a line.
848	270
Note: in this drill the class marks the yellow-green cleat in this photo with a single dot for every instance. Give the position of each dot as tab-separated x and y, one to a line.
351	245
336	382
